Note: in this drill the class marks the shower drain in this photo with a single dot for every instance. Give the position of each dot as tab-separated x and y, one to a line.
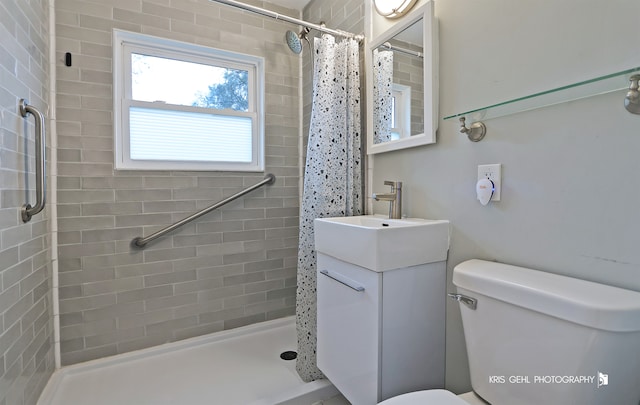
288	355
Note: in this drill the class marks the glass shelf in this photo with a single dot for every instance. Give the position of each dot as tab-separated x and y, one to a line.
599	85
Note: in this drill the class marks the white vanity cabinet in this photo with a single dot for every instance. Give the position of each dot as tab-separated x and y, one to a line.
381	333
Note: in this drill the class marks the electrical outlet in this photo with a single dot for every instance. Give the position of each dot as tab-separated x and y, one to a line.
494	173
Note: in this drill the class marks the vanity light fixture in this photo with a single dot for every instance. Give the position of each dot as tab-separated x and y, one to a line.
393	8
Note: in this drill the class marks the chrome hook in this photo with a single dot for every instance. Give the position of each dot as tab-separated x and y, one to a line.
632	99
477	131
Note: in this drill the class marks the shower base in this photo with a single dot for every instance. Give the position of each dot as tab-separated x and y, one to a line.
240	366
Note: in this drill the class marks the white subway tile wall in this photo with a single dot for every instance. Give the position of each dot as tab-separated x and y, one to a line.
232	267
408	70
26	322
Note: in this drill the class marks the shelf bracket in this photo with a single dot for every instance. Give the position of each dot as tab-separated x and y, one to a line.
476	132
632	99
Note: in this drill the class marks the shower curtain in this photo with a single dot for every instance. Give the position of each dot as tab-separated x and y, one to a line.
383	94
332	175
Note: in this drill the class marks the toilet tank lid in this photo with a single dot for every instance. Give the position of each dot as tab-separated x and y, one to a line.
583	302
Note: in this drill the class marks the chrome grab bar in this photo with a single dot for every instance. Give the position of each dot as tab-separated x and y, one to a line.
141	242
27	210
339	278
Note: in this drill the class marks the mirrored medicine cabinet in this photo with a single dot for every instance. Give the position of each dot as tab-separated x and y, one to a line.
403	84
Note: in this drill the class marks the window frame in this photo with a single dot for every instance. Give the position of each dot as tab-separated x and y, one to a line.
126	43
401	110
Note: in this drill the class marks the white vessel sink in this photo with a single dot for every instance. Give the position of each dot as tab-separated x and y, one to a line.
378	243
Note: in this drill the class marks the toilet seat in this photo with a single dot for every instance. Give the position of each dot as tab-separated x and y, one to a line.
431	397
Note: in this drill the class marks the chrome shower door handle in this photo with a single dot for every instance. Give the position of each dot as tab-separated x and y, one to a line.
27	210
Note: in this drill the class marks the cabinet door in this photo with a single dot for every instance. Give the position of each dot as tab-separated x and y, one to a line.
348	328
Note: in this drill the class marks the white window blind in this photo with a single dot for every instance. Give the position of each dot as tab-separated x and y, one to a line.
187	136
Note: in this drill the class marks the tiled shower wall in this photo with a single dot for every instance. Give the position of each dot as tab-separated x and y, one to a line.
232	267
408	70
26	326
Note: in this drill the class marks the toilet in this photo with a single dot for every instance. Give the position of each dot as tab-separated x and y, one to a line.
540	338
434	397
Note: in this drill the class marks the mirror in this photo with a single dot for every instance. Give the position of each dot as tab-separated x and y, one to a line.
403	107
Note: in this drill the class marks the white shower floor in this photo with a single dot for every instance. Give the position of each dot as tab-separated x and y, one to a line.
241	366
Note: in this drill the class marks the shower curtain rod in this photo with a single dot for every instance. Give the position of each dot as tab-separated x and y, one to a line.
411	52
273	14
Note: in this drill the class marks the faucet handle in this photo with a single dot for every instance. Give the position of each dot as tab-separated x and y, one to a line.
394	184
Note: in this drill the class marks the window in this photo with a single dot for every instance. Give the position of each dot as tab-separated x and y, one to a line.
180	106
401	117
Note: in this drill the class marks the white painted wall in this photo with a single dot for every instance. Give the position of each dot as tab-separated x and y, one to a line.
571	196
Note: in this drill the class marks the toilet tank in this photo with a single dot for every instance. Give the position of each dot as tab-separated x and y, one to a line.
540	338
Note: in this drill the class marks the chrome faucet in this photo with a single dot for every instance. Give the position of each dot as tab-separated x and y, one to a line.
394	198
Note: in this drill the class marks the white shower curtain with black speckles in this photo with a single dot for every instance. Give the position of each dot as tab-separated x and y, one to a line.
383	94
332	175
